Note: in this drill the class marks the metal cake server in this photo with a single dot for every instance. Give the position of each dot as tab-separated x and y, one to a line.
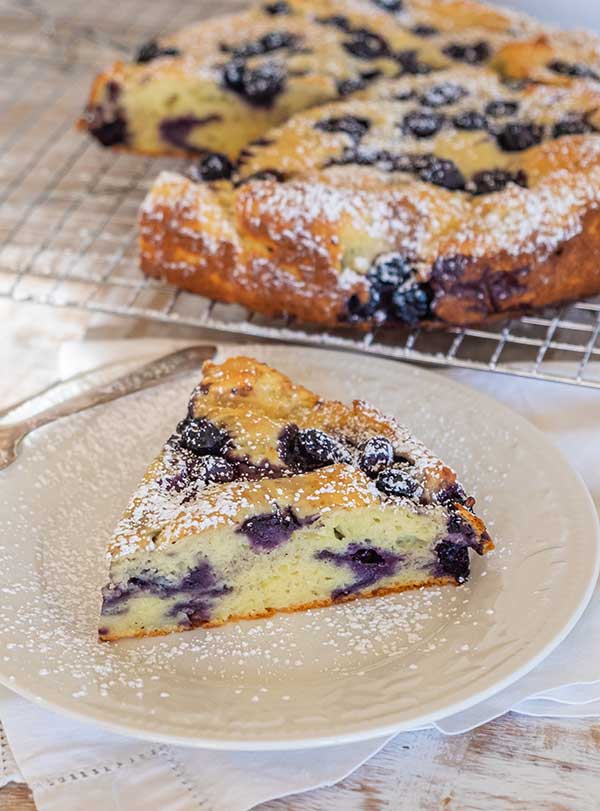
152	373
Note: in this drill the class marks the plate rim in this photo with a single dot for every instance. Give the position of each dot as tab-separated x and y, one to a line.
362	732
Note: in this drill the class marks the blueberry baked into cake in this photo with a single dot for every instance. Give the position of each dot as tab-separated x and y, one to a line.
368	162
268	498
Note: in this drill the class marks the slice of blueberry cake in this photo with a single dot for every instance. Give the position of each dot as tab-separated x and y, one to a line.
268	498
445	198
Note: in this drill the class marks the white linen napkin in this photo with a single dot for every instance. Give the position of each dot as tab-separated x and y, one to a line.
70	765
9	771
111	771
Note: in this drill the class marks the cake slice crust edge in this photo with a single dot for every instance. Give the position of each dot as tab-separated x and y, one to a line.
446	580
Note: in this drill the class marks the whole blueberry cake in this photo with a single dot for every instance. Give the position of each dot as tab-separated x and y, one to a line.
368	162
268	498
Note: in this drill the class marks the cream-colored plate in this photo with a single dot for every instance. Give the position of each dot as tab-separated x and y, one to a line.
331	675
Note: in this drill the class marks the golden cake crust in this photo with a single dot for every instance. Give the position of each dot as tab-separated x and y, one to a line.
181	255
380	592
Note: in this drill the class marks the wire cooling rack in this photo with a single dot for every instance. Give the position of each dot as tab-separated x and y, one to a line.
67	227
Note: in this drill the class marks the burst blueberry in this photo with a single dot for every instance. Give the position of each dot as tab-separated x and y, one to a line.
377	453
273	41
368	557
109	133
453	559
446	270
188	472
368	564
473	53
493	180
213	166
218	470
454	494
461	533
387	272
359	309
441	94
519	135
451	495
269	530
470	120
337	21
178	129
422	123
572	124
367	157
390	269
413	304
366	44
395	481
501	108
439	171
200	583
202	437
259	85
370	75
345	87
200	587
309	449
350	125
574	69
411	64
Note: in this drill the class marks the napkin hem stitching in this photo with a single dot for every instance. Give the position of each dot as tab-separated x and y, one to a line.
93	771
178	770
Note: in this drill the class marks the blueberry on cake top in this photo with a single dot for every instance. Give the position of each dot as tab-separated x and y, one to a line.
268	498
222	83
445	198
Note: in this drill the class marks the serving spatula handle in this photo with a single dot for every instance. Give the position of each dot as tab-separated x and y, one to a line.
152	373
